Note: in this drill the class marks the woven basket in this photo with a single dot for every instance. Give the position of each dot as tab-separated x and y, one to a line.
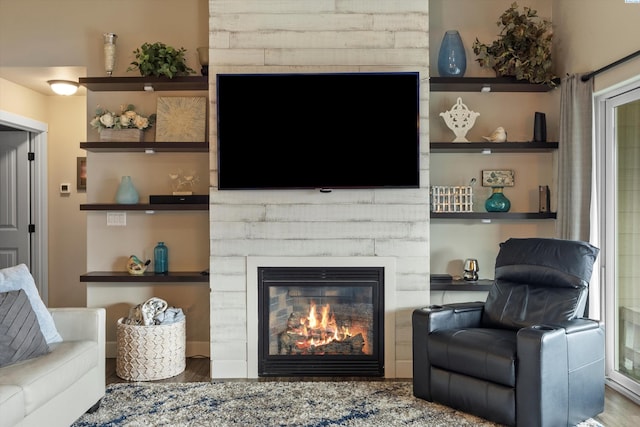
147	353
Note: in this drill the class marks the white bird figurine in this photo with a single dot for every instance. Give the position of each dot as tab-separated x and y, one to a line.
498	135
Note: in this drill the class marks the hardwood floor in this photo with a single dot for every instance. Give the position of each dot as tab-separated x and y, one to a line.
619	411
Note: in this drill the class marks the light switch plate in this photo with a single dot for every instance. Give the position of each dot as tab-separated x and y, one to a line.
117	219
65	188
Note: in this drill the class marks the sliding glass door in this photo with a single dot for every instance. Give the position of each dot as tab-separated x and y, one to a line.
618	130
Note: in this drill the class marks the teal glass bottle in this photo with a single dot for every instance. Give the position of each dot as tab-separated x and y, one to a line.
452	59
127	193
498	202
161	258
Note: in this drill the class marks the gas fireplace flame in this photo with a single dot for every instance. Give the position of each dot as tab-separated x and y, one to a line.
320	328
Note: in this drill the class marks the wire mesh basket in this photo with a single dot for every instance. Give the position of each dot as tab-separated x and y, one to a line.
451	198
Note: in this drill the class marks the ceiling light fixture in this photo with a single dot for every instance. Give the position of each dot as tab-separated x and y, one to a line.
63	87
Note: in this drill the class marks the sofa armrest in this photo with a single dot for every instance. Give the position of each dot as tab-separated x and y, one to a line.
79	323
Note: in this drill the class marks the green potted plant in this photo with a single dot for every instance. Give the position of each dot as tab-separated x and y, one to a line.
158	59
523	47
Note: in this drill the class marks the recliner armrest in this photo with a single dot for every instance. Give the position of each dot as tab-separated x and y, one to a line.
451	316
568	358
578	325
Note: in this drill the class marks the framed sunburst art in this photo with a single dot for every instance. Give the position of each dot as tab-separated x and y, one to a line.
181	119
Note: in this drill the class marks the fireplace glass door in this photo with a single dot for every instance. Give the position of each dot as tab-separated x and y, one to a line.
317	321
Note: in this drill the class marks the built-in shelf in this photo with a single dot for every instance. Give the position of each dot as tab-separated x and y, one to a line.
141	84
493	215
485	84
123	276
486	147
461	285
145	147
144	207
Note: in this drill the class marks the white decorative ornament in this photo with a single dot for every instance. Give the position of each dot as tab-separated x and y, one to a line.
459	119
498	135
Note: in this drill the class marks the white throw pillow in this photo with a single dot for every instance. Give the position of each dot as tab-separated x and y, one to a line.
19	277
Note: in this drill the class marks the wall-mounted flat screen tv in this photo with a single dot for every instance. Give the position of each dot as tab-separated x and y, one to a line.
324	131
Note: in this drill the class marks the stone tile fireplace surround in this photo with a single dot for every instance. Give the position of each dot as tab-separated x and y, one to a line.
348	227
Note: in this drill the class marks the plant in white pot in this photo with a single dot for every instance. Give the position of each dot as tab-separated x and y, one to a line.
522	49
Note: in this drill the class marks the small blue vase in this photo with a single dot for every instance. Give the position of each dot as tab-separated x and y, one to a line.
498	202
452	60
161	258
127	194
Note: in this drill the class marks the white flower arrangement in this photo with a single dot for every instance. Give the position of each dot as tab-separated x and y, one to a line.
127	119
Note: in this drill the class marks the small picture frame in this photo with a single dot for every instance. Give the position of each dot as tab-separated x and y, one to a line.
498	178
81	173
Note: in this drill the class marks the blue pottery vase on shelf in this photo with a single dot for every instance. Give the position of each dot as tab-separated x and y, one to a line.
161	258
127	193
498	202
452	60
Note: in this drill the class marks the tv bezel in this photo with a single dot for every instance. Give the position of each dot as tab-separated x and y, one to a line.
416	166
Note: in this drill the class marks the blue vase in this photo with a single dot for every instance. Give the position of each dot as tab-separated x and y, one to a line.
161	258
127	194
498	202
452	60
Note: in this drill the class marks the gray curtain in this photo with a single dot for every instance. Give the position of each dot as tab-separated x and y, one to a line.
575	158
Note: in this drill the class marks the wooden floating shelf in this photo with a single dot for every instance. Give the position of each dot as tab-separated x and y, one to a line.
493	215
485	84
123	276
145	207
148	84
486	147
460	285
145	147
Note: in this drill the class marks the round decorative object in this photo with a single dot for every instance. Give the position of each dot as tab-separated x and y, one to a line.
460	120
498	202
127	194
452	60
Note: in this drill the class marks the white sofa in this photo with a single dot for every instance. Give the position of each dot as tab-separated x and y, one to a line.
57	388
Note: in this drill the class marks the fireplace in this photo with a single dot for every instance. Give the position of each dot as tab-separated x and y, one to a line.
321	321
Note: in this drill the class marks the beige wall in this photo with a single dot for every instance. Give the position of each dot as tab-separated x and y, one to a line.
23	102
590	34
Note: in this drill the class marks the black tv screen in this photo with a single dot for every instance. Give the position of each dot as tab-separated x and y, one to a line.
324	131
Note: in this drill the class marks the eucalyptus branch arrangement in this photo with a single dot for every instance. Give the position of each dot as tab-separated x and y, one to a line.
523	47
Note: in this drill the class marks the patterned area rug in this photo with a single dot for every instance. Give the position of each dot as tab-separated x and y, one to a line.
240	403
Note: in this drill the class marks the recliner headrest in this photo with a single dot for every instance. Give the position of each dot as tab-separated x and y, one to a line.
546	262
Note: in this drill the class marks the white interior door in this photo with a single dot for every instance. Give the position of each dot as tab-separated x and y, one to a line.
15	215
35	194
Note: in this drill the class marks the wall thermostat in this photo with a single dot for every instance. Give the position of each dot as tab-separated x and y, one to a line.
65	188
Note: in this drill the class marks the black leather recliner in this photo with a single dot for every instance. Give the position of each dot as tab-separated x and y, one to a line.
526	356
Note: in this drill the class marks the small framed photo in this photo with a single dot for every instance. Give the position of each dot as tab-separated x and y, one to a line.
81	173
498	178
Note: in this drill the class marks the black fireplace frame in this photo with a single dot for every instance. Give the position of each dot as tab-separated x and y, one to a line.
325	365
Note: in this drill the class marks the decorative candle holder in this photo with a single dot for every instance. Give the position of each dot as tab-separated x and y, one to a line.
109	52
203	58
460	120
